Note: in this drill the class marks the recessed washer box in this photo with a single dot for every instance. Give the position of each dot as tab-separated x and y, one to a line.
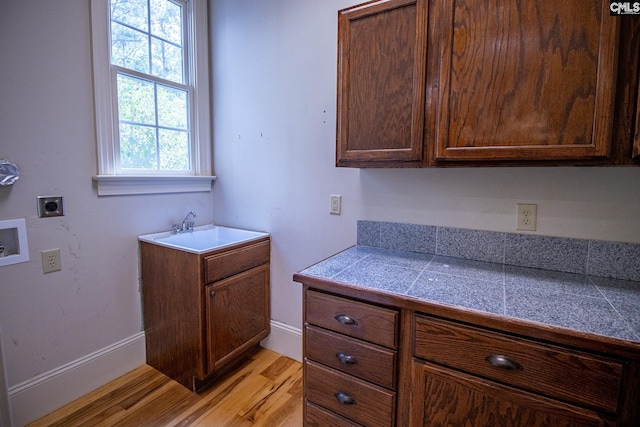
13	235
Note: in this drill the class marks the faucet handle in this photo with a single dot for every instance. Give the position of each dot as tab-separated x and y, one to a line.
176	227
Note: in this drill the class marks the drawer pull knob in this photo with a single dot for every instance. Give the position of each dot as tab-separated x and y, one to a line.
345	320
503	362
344	399
346	359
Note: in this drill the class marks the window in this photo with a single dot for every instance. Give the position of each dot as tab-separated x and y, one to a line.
151	95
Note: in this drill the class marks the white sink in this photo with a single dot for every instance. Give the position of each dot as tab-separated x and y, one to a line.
203	239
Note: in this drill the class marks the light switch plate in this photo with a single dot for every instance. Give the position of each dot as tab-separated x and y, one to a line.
336	204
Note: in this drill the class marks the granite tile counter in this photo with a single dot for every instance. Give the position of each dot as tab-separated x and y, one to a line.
466	326
415	261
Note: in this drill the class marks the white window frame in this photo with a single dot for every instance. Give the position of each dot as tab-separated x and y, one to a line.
109	182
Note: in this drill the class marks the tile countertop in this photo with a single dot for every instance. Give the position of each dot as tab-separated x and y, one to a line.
598	305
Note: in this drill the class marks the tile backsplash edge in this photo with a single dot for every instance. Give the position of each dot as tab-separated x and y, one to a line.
593	257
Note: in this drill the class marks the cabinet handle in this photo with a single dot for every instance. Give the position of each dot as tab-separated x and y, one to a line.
346	359
503	362
345	320
344	398
212	293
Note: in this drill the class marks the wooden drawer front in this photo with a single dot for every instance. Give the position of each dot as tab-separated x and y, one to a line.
228	263
319	417
554	371
358	358
356	319
348	396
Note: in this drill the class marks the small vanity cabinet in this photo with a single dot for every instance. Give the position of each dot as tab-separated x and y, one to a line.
203	311
350	364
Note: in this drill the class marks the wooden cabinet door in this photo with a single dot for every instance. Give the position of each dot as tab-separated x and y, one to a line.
522	80
237	315
636	138
381	69
445	397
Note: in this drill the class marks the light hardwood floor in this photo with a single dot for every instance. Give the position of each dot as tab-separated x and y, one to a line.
264	391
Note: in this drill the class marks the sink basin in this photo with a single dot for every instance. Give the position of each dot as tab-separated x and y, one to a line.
203	239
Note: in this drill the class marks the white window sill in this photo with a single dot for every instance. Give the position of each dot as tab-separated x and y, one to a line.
117	185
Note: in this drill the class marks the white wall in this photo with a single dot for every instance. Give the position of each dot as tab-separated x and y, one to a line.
274	118
47	128
274	115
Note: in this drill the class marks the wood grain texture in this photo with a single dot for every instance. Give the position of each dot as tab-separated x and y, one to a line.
546	369
595	364
525	80
450	398
367	361
375	324
372	405
265	391
381	66
238	314
636	137
229	262
172	290
185	327
317	416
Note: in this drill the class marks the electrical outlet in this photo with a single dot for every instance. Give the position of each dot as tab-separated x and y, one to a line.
336	204
51	261
527	217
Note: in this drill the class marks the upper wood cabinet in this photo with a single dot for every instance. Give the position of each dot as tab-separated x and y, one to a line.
486	82
517	80
381	84
636	138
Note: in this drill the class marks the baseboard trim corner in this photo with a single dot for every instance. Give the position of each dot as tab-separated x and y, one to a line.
284	339
40	395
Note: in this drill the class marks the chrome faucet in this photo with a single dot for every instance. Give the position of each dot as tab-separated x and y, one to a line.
185	225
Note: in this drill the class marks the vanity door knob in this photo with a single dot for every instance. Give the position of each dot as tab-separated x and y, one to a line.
503	362
345	320
212	293
346	359
344	398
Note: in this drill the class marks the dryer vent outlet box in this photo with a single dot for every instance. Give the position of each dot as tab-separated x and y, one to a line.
50	206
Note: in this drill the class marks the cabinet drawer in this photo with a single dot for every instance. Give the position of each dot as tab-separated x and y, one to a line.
320	417
348	396
554	371
353	318
358	358
228	263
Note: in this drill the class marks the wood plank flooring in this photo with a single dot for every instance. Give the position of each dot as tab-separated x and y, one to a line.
266	390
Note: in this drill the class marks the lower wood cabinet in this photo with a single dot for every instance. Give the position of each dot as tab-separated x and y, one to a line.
350	362
444	397
379	359
237	312
202	312
349	397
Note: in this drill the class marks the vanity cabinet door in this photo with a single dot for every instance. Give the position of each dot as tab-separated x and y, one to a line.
522	80
237	315
381	87
446	397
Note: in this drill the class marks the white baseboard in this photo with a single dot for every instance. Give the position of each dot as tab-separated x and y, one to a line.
284	339
47	392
